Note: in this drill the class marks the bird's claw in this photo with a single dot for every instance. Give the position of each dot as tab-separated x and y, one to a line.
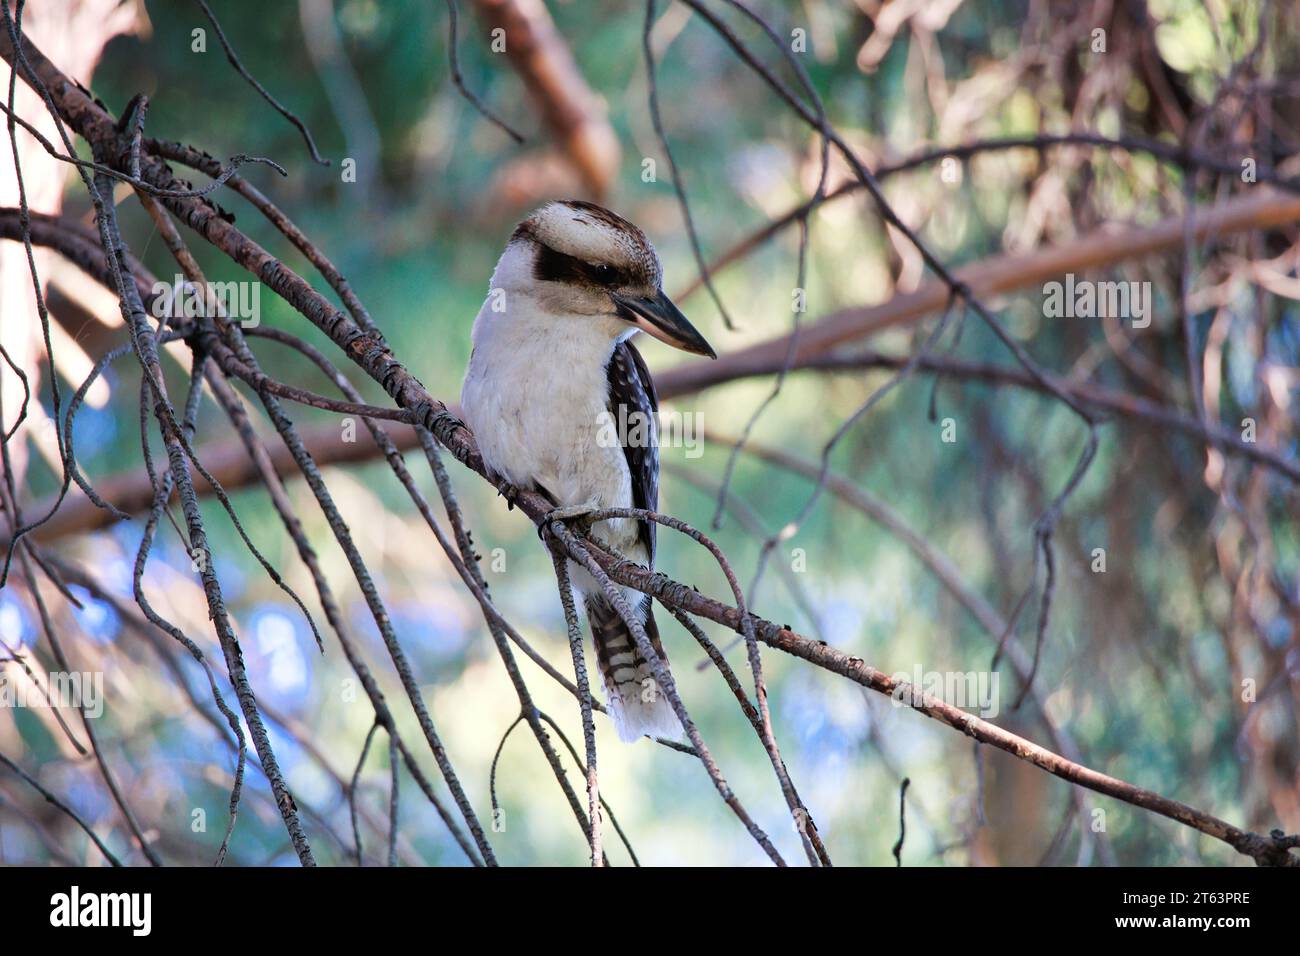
577	517
510	492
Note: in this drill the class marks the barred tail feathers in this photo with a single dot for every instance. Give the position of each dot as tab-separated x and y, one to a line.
637	705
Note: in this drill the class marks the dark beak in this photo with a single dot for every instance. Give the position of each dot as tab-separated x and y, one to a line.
664	321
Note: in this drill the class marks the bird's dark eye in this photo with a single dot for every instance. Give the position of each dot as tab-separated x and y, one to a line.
605	275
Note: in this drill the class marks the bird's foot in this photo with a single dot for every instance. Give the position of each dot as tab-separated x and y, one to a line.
577	517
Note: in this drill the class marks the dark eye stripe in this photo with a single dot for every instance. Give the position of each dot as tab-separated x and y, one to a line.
552	266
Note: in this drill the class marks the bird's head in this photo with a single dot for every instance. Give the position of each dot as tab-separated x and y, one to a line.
580	260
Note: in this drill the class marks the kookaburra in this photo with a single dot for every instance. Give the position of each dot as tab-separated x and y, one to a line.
562	403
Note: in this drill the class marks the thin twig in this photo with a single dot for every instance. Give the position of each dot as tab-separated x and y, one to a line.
453	59
261	90
902	819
